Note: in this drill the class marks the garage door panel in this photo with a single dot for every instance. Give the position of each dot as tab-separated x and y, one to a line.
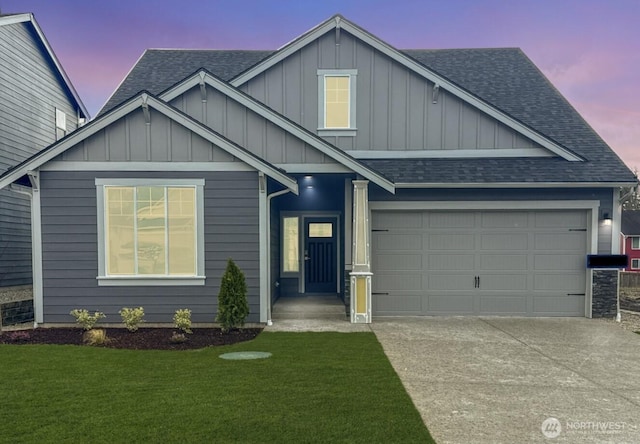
451	220
506	282
452	241
399	242
391	282
558	262
503	242
564	219
394	261
450	261
397	303
489	262
504	305
454	281
503	220
559	281
554	305
565	241
392	220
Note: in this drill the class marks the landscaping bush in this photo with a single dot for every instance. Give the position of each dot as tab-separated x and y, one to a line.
233	308
132	317
182	320
86	320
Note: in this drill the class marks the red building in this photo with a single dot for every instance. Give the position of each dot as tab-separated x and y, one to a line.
630	238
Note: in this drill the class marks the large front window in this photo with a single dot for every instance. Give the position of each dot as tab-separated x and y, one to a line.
150	229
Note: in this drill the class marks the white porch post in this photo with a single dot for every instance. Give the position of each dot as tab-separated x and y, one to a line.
36	248
361	257
263	216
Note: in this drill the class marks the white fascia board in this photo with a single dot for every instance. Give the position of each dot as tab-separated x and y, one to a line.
275	118
513	185
223	143
411	64
486	205
28	17
55	165
450	154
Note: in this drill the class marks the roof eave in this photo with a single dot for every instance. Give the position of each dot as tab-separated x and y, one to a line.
514	184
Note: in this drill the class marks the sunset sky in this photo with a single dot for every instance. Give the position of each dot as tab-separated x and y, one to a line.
589	49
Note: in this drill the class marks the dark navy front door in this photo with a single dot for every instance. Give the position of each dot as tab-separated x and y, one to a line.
320	255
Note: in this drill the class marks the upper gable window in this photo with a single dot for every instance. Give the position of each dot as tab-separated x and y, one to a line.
61	124
337	102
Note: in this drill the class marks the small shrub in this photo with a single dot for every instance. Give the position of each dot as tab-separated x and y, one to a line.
182	320
95	337
86	320
232	299
132	317
177	338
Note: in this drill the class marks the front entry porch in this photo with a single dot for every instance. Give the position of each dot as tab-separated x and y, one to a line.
317	307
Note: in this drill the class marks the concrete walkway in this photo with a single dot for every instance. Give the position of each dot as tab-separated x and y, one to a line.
496	380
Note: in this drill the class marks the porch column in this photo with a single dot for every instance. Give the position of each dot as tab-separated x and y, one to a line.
361	258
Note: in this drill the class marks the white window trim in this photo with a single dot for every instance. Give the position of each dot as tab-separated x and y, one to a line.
150	280
637	264
632	239
289	274
322	129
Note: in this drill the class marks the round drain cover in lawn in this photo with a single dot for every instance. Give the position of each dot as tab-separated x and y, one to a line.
237	356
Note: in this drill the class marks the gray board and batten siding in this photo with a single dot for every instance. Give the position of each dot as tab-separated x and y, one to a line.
395	106
70	251
30	93
246	128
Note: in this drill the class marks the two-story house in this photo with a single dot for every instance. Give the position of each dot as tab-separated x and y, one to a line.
416	182
38	106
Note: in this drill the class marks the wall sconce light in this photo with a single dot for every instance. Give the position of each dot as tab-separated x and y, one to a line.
606	218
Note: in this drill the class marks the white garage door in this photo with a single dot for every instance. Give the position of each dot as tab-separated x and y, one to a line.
521	263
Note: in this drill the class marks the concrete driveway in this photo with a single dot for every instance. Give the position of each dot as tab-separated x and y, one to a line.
496	380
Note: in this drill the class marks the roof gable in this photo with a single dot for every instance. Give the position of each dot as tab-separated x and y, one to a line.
13	19
203	77
338	23
145	102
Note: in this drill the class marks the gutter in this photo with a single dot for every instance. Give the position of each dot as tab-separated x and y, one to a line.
269	302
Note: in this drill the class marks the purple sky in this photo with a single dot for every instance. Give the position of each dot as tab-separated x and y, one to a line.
590	49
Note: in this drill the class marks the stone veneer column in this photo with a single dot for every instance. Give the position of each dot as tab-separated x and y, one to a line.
605	293
361	257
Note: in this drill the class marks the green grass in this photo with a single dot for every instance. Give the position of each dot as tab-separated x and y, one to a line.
317	387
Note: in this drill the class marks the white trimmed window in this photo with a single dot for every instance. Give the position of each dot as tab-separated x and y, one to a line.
337	102
61	124
635	264
290	244
635	242
150	231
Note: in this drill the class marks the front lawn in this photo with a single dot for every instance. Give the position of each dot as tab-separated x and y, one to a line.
317	387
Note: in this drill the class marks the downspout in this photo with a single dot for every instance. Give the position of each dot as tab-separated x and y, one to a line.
269	302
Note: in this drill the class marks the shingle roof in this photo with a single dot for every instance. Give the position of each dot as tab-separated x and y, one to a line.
503	77
631	222
159	69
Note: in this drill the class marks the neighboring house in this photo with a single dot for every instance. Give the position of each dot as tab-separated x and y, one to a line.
419	182
630	238
38	105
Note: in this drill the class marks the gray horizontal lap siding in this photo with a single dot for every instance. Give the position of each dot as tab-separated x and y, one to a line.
30	92
70	249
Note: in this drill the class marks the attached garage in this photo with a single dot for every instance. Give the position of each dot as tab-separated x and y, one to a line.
512	263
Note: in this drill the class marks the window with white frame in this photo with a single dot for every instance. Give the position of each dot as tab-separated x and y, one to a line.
290	244
150	229
635	264
337	102
635	242
61	124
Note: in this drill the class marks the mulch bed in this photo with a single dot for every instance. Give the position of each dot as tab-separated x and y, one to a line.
143	339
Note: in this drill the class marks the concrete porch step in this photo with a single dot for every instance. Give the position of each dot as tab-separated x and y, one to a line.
309	307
